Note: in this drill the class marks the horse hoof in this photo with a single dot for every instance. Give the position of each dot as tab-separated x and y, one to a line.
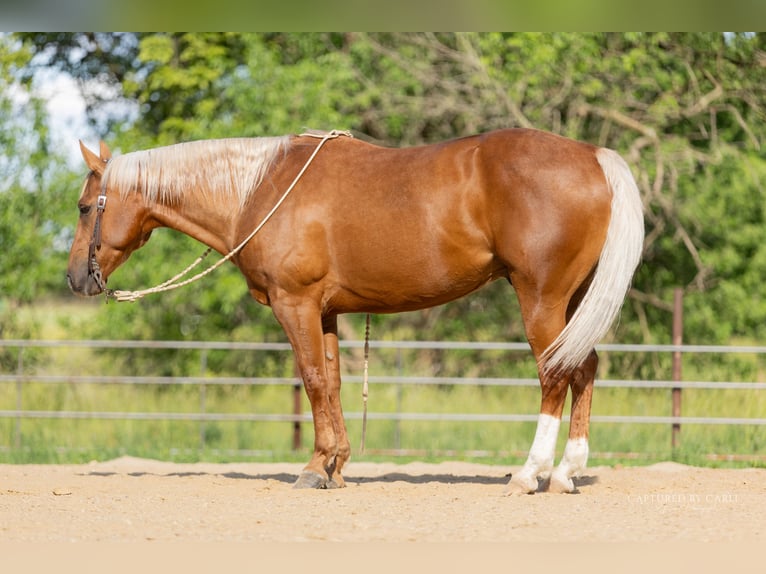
518	486
310	479
561	484
336	482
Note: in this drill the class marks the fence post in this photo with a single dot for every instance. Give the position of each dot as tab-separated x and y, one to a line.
202	398
678	329
19	401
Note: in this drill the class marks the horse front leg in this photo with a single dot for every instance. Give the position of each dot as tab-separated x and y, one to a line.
332	361
303	325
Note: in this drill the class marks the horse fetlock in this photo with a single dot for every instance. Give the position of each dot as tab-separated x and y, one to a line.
343	454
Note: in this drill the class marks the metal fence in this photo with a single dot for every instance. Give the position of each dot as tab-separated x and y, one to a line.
296	417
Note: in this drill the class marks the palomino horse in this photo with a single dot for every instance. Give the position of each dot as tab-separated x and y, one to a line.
377	230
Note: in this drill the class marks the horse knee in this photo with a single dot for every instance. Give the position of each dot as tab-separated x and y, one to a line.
313	381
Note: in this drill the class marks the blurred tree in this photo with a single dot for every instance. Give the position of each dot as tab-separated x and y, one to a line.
686	110
34	183
98	61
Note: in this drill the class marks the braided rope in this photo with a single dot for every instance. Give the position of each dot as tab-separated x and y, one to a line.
170	284
365	380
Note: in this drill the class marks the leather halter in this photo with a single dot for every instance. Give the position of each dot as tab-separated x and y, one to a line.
94	269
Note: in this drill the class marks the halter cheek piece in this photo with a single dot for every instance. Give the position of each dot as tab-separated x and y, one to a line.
94	270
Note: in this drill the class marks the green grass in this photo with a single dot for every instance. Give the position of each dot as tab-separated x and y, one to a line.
54	440
66	440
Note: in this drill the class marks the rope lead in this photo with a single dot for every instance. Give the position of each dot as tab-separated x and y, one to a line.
122	296
365	385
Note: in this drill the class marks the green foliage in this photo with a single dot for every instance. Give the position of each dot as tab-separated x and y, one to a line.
685	109
35	186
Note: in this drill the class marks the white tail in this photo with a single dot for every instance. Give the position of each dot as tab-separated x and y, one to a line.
619	258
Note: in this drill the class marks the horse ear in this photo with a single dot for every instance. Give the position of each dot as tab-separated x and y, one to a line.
104	151
95	163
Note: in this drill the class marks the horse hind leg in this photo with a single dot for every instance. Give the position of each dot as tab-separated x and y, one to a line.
575	456
539	463
543	321
581	381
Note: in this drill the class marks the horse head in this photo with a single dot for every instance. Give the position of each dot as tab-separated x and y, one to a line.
111	226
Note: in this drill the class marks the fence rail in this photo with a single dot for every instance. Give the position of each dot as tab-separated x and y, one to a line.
296	417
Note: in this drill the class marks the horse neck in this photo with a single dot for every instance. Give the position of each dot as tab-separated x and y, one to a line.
205	220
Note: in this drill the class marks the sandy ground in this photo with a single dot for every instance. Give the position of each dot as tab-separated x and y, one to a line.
640	511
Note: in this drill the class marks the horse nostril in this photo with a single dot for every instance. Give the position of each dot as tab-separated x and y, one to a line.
74	287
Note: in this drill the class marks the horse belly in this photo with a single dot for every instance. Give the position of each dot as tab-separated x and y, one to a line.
402	276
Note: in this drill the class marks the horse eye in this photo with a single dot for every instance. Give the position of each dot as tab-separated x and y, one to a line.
84	209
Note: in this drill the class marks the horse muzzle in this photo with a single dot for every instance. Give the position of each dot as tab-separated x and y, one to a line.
82	282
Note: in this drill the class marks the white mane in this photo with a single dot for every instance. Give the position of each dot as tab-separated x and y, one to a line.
221	169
